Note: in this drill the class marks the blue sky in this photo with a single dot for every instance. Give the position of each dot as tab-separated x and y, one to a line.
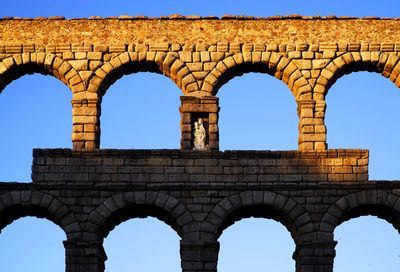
362	112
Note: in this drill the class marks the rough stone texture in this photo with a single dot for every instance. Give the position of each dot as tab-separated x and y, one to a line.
87	191
209	168
276	30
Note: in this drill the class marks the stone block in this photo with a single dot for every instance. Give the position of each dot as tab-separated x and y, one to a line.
159	161
295	55
350	177
303	64
79	65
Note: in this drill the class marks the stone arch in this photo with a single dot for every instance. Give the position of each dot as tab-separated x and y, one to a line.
260	204
372	202
17	65
126	63
272	63
386	64
18	204
123	206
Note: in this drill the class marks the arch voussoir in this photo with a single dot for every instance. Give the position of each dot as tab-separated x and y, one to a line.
260	204
382	62
17	65
121	207
272	63
167	63
280	67
287	72
395	72
246	198
18	204
151	198
48	61
289	206
391	62
9	62
274	60
130	62
369	202
386	64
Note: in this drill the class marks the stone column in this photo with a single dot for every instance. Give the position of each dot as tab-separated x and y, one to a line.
192	109
316	256
84	257
86	124
199	256
312	129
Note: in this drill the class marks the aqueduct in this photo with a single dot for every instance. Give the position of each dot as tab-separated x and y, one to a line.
87	191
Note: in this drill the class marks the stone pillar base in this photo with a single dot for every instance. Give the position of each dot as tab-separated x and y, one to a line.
199	256
84	257
315	256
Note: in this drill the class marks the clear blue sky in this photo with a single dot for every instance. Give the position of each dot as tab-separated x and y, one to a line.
363	110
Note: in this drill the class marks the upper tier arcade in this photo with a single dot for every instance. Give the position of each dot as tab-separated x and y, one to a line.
199	54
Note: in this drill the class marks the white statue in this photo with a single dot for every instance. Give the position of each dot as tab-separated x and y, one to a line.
199	135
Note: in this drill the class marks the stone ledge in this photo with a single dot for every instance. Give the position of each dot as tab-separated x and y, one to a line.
295	51
209	17
368	185
187	30
177	153
202	169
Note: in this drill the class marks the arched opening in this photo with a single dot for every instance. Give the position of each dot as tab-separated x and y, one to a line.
32	244
263	206
367	244
144	244
257	112
138	211
35	112
361	113
256	244
141	111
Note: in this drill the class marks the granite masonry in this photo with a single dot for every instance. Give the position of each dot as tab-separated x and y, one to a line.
88	191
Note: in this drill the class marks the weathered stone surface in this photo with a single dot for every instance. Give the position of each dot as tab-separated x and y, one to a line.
87	191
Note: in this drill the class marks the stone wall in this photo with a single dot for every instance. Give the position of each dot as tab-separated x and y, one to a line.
88	191
196	168
200	55
186	30
199	194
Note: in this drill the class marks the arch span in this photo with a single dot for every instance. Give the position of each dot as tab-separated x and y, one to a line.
386	64
262	204
372	202
17	204
15	66
126	63
271	63
139	204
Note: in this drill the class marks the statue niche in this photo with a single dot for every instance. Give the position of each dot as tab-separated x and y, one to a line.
200	132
